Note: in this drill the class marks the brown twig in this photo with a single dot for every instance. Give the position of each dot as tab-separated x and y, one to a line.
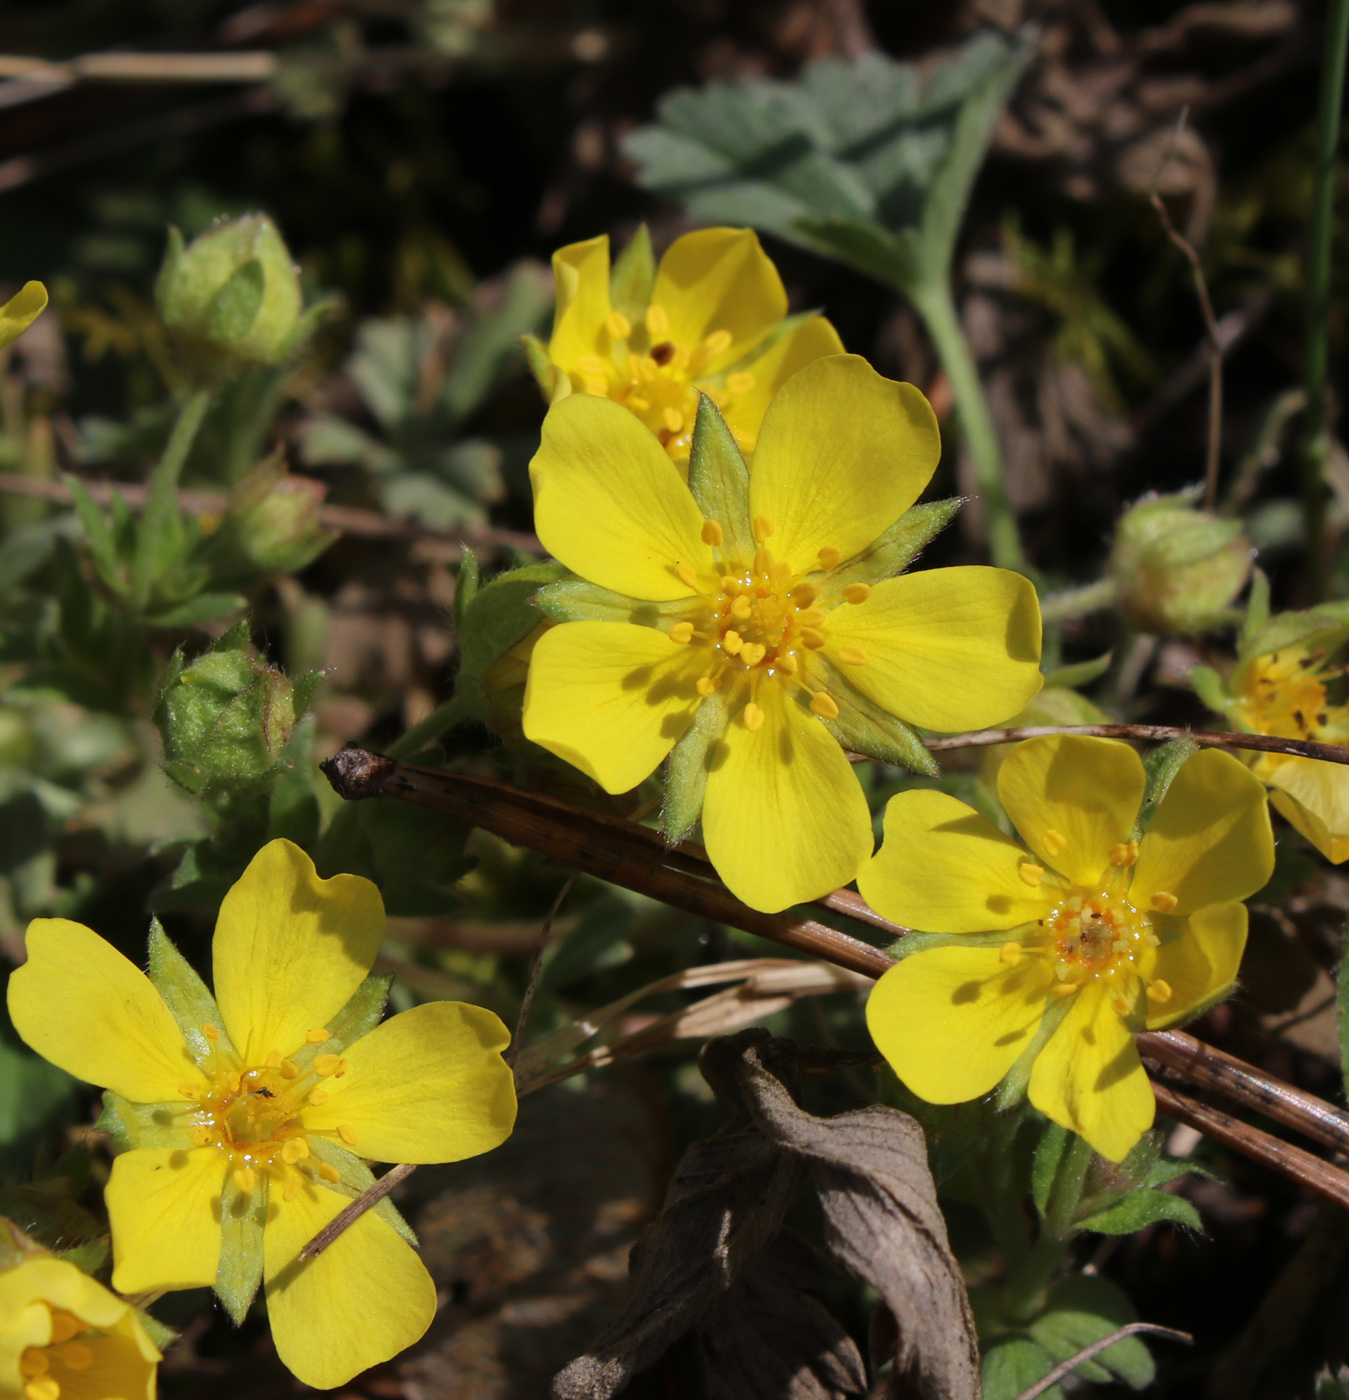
1130	1329
371	1196
526	1001
1153	733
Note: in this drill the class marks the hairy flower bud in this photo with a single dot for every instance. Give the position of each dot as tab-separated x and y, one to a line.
1177	568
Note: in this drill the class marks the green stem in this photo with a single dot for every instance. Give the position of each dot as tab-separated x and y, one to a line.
1078	602
427	731
1315	435
938	310
1028	1283
160	516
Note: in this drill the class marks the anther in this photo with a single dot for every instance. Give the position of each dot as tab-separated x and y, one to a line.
752	653
211	1033
77	1356
708	685
1159	991
728	583
753	717
44	1388
327	1173
731	642
830	557
317	1036
1031	874
812	617
326	1064
852	655
823	705
718	343
811	638
786	663
763	528
741	606
1124	853
1163	902
805	594
201	1136
64	1327
190	1091
347	1134
673	419
763	562
294	1150
34	1362
780	576
273	1060
289	1069
857	592
740	383
687	575
1010	953
682	632
618	325
1064	989
712	533
657	321
245	1178
1053	842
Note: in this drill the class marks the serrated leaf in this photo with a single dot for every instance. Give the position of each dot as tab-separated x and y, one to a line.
187	997
893	551
243	1214
633	276
864	727
1082	1310
1140	1209
686	770
354	1177
719	480
575	600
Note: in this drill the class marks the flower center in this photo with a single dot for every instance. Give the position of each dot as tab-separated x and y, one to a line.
1287	695
46	1370
658	378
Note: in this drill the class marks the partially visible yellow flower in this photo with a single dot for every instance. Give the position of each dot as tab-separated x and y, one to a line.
20	311
753	612
248	1117
1090	936
711	319
1284	693
65	1337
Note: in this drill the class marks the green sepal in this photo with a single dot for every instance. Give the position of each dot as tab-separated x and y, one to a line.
1161	767
152	1125
466	586
1015	1082
686	770
186	996
160	1333
205	607
235	306
892	551
864	727
575	600
1325	625
356	1019
354	1177
633	276
1140	1209
540	366
1257	607
1048	1154
242	1217
1210	687
719	480
1080	674
501	614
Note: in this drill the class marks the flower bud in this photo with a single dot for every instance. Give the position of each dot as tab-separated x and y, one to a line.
273	522
226	717
232	295
1177	569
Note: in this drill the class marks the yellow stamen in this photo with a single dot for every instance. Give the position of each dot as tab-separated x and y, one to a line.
682	632
318	1097
34	1362
718	343
289	1069
77	1356
753	717
830	557
732	642
712	533
763	528
812	617
64	1326
740	383
273	1060
1031	874
780	576
1011	953
687	575
618	325
1053	842
43	1389
245	1178
1163	902
811	638
824	705
190	1091
317	1036
201	1136
741	606
786	664
1159	991
327	1173
763	561
212	1033
294	1150
857	592
708	685
728	584
1064	989
1124	853
326	1064
852	655
752	653
805	594
673	419
657	321
347	1134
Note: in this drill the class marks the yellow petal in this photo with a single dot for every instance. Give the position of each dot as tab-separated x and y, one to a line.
611	698
80	1004
1313	798
1210	842
784	818
719	279
810	341
291	949
20	311
1089	1079
164	1208
611	505
952	1021
1084	792
581	273
1201	965
429	1085
946	648
116	1367
943	868
842	455
364	1299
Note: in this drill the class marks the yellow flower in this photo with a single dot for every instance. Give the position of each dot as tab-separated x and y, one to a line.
710	319
1284	693
65	1337
1090	937
248	1114
20	311
748	622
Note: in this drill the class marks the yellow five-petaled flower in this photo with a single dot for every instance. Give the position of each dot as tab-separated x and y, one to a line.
1089	937
754	621
248	1114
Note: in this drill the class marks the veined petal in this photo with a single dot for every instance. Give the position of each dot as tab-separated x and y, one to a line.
1201	965
1313	797
1089	1079
611	698
364	1299
842	454
291	949
943	868
784	818
80	1004
719	279
946	649
581	275
1210	842
164	1208
429	1085
1072	798
612	506
811	340
952	1021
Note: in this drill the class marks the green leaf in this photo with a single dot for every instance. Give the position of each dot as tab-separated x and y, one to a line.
864	245
1082	1310
893	551
242	1217
632	277
719	480
1210	687
574	600
1140	1209
1326	625
1257	606
536	356
1013	1364
187	997
98	537
687	768
1047	1157
1083	673
205	607
131	1125
354	1177
864	727
1161	767
235	306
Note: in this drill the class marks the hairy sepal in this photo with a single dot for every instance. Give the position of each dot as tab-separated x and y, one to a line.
863	727
575	600
719	480
686	769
